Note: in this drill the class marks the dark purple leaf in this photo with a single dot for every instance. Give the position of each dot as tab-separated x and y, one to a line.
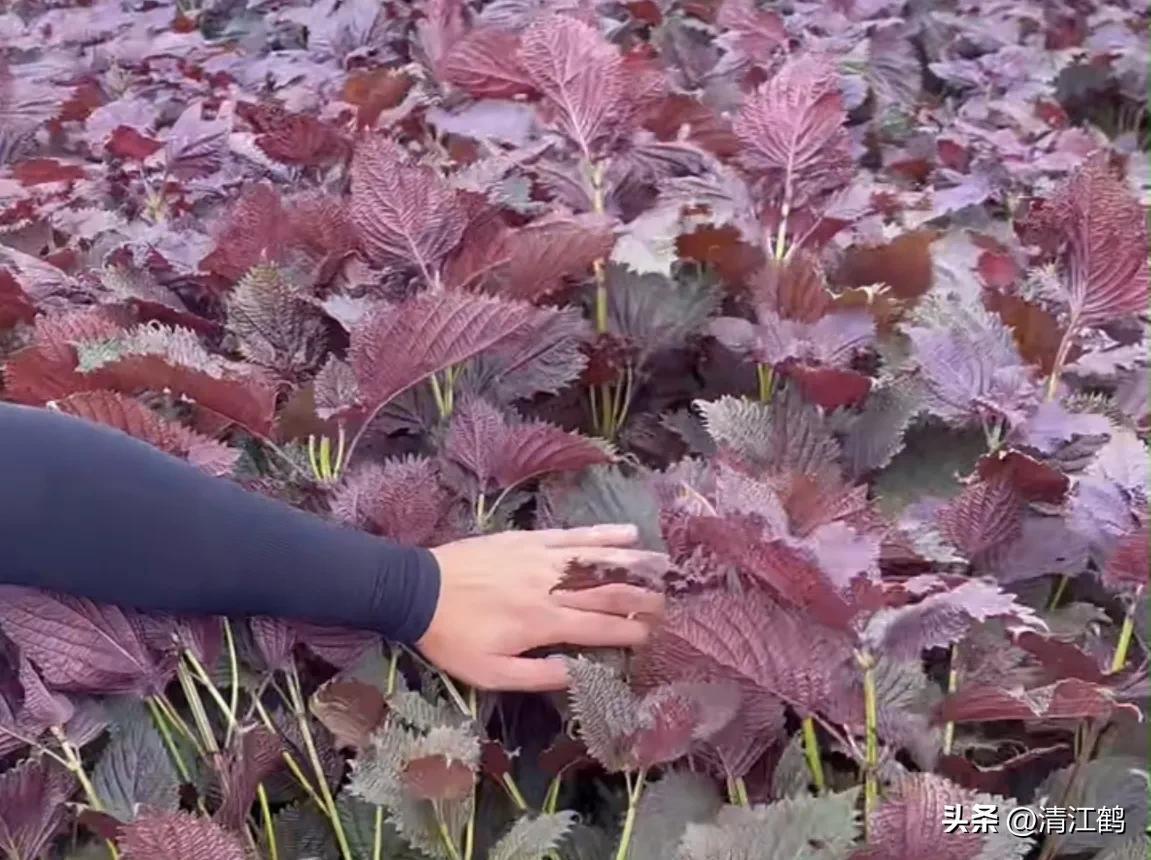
32	798
78	645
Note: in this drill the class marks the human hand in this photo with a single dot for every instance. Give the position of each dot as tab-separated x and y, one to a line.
496	602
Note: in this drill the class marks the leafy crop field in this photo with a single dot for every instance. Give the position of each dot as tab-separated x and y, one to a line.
842	302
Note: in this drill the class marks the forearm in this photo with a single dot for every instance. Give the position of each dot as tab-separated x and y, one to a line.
90	511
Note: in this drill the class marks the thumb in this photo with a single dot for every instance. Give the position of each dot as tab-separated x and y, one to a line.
522	674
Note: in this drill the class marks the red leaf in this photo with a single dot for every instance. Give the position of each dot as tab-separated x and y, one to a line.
302	141
581	76
909	823
1129	566
795	288
177	836
79	645
1032	480
438	778
531	262
1101	230
397	346
484	63
351	710
1068	699
749	638
739	543
792	129
830	387
374	92
986	514
32	806
126	142
135	419
405	214
504	452
15	305
263	228
904	265
402	500
40	171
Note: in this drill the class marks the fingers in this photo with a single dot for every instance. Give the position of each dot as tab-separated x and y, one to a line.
616	557
597	630
520	674
614	599
620	535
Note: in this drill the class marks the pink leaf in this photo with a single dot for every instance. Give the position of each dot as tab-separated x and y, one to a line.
402	500
1068	699
503	452
987	514
79	645
484	63
405	214
792	129
581	76
32	807
177	836
529	263
397	346
135	419
1101	229
909	823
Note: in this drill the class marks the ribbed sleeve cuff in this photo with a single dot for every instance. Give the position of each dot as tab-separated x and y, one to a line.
406	594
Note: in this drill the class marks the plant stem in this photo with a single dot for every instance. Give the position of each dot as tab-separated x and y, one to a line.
199	714
1057	594
233	678
1090	737
633	796
169	742
378	835
297	696
269	824
811	752
871	712
76	765
766	375
165	706
206	680
551	799
445	836
952	683
514	792
1124	645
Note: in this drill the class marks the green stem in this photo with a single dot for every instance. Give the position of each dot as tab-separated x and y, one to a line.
202	674
1124	645
633	796
551	800
297	696
871	714
811	752
199	714
164	704
378	835
737	791
169	742
1057	594
269	824
233	678
445	836
766	376
514	792
76	766
952	684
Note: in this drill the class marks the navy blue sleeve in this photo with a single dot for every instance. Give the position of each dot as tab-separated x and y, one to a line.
93	512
